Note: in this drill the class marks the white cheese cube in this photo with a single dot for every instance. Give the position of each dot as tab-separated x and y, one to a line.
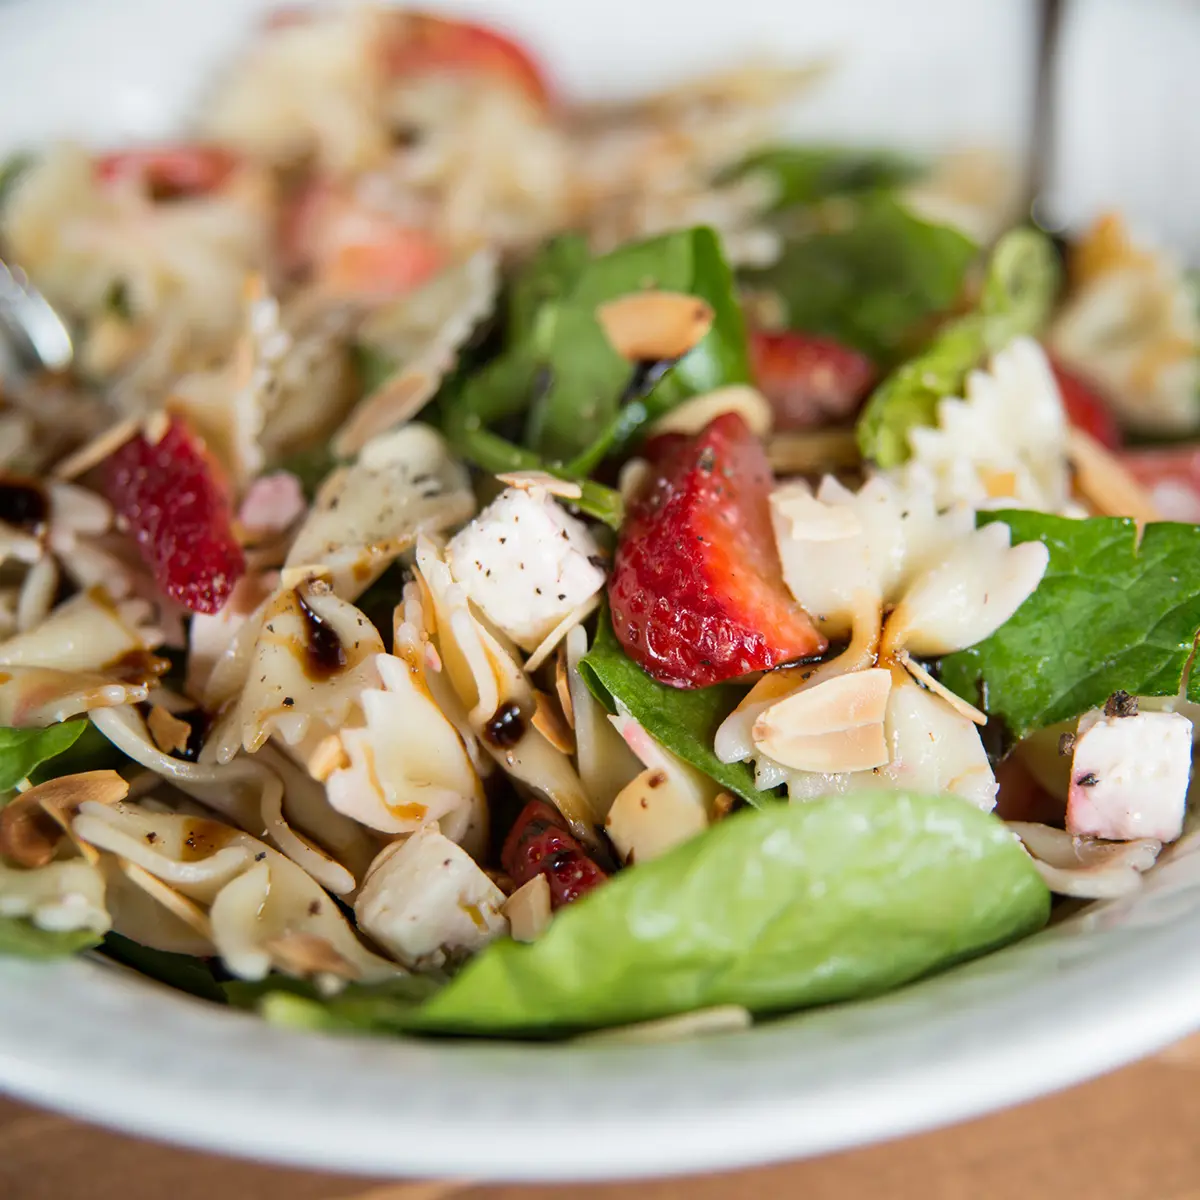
1129	776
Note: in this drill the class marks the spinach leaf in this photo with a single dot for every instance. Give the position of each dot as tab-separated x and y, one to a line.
685	722
180	971
1018	295
561	374
871	283
806	174
373	366
1110	613
310	466
21	750
21	938
11	171
777	909
90	751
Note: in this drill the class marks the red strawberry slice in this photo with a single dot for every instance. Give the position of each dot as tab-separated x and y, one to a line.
1084	407
696	592
170	497
809	380
170	172
539	843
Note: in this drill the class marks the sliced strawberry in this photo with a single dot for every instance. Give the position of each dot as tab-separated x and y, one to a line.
424	43
539	843
809	380
1171	474
171	498
170	172
1084	407
696	592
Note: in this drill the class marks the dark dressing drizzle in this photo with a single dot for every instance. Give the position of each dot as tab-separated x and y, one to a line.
506	727
23	504
324	654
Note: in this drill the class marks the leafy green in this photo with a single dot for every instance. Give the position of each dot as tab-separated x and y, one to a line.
310	466
685	722
776	909
180	971
561	375
11	171
872	282
21	750
1110	614
21	938
90	751
806	174
374	367
1018	295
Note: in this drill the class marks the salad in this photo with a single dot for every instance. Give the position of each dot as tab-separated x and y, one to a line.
499	566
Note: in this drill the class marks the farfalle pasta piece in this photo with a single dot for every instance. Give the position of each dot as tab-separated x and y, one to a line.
1131	325
1085	867
61	897
403	484
1003	445
84	633
498	697
264	911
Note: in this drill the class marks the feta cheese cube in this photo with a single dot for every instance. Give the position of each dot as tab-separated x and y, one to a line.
526	563
426	900
1129	776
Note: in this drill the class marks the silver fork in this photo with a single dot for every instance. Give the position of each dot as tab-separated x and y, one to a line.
37	336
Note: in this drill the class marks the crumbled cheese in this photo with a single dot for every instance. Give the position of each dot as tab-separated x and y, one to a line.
1129	776
526	563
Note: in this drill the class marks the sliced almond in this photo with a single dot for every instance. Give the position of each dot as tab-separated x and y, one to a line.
301	953
154	427
923	677
652	326
633	478
698	412
833	727
549	722
97	450
328	755
188	911
528	909
562	685
813	453
549	643
170	734
1103	481
34	824
542	481
398	399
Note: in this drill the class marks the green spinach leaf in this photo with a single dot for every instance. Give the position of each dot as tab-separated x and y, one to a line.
21	750
685	722
21	938
180	971
872	282
90	751
805	174
778	909
1018	295
1110	613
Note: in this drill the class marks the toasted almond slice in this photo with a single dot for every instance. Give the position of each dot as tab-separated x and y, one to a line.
923	677
697	412
633	477
722	806
834	726
549	643
528	909
812	453
562	684
724	1018
398	399
1102	480
188	911
328	755
154	427
542	481
34	824
652	326
549	722
97	450
167	730
303	953
294	577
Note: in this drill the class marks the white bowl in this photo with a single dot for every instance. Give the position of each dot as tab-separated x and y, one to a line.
1099	990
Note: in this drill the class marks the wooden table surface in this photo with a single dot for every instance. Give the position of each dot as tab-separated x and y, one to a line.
1133	1135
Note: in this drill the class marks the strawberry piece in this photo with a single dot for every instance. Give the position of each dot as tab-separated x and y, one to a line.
696	592
170	172
1084	407
1171	474
809	380
424	43
540	843
170	497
